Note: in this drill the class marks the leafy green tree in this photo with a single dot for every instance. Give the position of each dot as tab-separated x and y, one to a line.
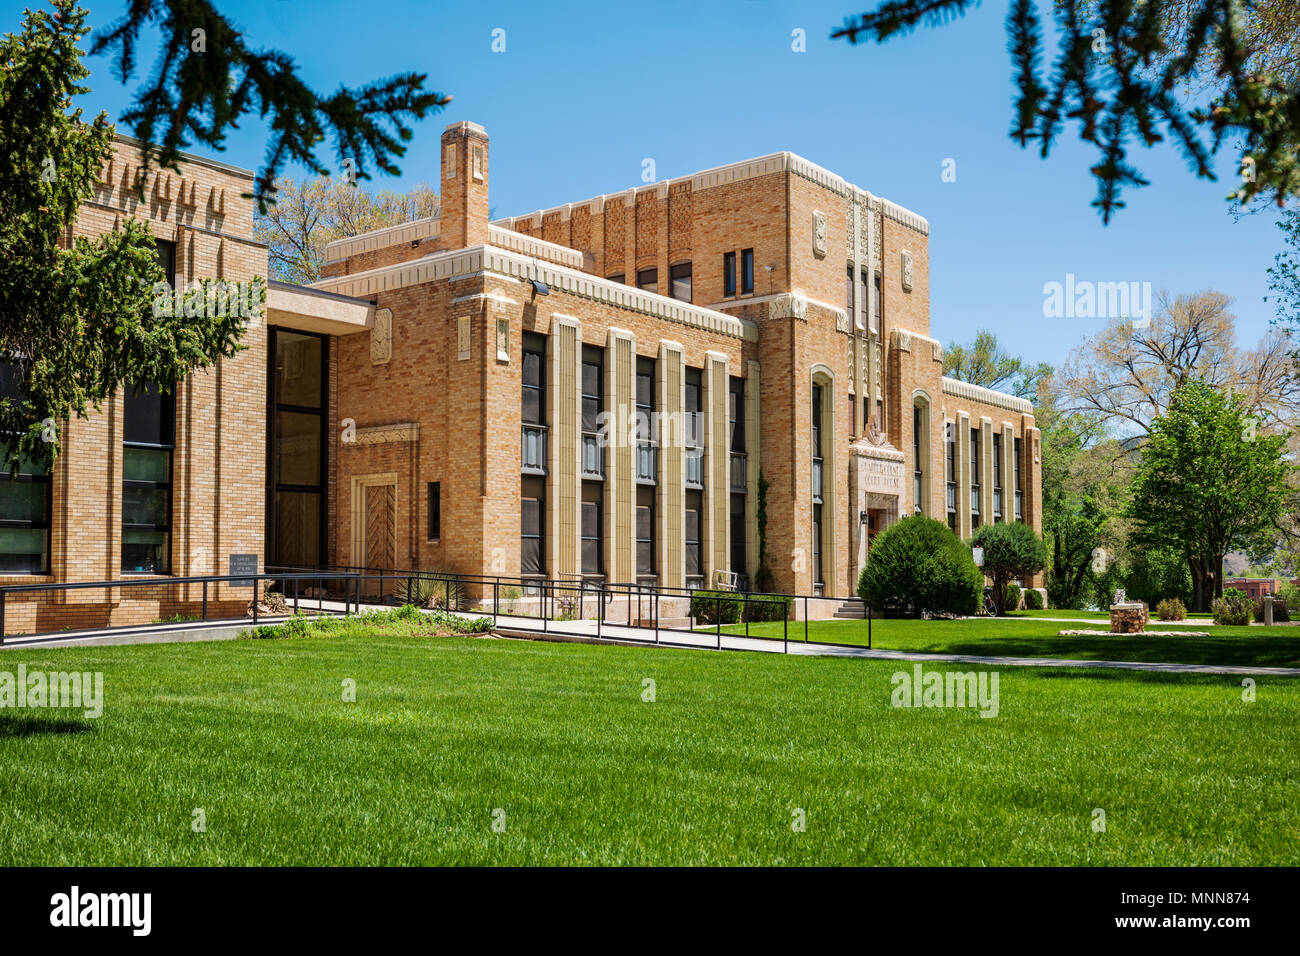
917	566
1010	551
1208	483
985	362
75	322
308	215
1122	74
207	76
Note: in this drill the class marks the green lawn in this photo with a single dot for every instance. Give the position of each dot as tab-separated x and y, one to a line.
446	729
1055	613
1277	646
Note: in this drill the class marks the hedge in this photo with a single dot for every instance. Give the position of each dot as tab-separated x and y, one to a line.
707	606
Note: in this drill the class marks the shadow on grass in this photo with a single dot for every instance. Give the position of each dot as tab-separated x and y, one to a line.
1265	652
31	725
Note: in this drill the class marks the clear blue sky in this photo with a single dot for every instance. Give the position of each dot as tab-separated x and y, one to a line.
586	91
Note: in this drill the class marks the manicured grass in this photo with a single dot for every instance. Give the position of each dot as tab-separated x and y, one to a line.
1056	613
1277	646
559	738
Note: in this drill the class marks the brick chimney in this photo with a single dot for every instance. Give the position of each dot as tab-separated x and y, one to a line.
464	186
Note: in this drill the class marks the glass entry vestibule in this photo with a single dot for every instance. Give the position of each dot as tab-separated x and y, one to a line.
296	448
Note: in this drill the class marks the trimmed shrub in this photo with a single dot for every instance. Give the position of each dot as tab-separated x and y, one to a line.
708	606
1010	551
918	566
1233	608
1171	609
1013	597
1281	611
1033	600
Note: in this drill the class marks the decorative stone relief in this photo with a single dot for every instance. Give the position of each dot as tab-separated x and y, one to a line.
907	271
819	234
503	340
841	321
788	307
937	350
381	337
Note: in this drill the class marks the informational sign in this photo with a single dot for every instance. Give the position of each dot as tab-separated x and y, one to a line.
978	555
243	564
882	477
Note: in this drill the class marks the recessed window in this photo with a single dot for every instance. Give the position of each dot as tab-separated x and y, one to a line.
618	277
647	280
645	535
746	271
679	279
593	454
848	293
531	528
24	501
591	543
729	274
435	510
149	427
694	554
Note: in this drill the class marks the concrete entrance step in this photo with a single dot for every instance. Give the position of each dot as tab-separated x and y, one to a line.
854	609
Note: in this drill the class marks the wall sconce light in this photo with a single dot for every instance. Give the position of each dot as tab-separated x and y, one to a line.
862	517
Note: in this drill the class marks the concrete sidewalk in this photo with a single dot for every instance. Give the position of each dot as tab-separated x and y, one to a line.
590	631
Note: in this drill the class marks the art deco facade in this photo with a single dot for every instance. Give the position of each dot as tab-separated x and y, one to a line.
592	391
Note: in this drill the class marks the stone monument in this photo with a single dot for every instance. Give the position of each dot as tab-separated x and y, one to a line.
1127	617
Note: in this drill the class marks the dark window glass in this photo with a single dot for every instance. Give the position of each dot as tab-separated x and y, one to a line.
435	510
679	277
997	459
25	501
694	565
1016	452
148	427
736	414
817	545
296	434
747	270
648	280
591	543
530	534
848	295
738	562
167	259
645	544
590	397
729	273
817	421
533	406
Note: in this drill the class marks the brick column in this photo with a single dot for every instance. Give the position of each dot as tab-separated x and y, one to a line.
753	442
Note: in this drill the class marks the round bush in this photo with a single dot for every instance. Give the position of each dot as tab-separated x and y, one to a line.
1171	609
1233	608
918	566
1033	600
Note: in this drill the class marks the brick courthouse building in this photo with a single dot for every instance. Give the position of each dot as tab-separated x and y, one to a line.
590	391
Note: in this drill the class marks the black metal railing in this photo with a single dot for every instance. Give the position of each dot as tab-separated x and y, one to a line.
346	585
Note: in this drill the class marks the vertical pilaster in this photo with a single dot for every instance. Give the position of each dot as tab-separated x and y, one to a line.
670	490
986	470
563	396
716	534
620	462
1008	473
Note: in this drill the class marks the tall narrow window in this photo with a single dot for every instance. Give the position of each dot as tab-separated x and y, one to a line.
879	310
646	434
25	503
647	280
997	475
679	281
531	528
818	489
918	475
1020	489
296	432
746	271
975	478
728	274
864	300
435	510
592	545
950	472
533	406
618	277
694	429
694	554
645	533
149	431
849	298
593	455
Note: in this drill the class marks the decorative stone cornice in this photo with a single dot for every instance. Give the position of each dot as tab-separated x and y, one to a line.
413	231
382	434
490	260
986	396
